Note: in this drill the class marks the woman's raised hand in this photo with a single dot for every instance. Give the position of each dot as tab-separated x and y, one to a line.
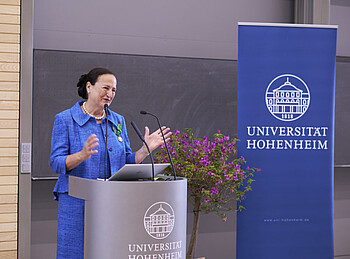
155	139
89	145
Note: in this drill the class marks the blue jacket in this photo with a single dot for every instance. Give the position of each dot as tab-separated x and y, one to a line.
71	129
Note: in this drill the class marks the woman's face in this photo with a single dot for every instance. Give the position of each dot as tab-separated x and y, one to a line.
103	91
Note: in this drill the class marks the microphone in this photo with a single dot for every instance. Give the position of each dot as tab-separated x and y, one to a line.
143	140
166	146
106	110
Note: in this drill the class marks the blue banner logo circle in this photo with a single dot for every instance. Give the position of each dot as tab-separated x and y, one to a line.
287	97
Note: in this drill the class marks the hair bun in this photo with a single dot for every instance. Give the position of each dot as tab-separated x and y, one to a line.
81	79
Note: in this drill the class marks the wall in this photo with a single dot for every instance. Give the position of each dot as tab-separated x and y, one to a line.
182	28
9	121
197	28
340	14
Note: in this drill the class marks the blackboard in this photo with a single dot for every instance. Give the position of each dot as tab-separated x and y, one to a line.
183	92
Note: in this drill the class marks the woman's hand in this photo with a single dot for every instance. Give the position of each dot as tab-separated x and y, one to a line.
89	145
76	159
153	141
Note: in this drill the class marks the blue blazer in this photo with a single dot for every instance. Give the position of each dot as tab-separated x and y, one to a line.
71	129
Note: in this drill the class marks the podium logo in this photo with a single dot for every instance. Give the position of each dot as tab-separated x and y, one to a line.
159	220
287	97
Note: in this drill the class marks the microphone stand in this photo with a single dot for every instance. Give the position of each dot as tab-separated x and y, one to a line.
166	146
143	140
105	171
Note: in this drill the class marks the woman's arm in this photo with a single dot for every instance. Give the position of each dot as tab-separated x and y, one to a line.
61	161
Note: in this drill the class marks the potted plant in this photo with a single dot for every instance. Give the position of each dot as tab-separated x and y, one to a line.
215	175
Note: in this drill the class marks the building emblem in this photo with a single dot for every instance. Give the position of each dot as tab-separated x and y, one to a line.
159	220
287	97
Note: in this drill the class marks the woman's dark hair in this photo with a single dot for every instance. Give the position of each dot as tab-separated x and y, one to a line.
91	77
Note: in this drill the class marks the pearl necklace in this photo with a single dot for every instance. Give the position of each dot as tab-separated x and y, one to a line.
88	113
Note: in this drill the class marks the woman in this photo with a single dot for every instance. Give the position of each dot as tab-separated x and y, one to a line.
78	148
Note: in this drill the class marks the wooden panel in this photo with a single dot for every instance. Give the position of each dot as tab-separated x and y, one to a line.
8	208
9	105
8	133
9	96
10	2
9	38
12	115
8	170
7	179
10	245
9	57
8	254
9	67
9	189
7	227
9	47
7	9
8	161
9	87
8	124
8	236
7	76
9	115
7	199
10	19
9	217
9	142
10	28
8	152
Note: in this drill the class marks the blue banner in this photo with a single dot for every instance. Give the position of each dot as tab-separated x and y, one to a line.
286	84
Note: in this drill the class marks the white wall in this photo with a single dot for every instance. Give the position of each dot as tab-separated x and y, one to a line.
184	28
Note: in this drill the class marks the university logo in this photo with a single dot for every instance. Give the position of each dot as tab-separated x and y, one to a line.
159	220
287	97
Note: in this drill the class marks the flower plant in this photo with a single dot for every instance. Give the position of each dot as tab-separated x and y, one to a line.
216	177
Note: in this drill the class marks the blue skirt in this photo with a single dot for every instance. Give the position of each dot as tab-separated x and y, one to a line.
70	227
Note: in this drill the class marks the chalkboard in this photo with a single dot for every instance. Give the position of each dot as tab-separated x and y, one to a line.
183	92
342	112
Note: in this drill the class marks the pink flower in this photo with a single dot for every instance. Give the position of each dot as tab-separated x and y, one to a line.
210	173
214	191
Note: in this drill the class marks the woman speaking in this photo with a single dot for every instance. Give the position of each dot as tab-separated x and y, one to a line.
77	148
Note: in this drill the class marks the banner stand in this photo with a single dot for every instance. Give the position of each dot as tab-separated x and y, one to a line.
286	85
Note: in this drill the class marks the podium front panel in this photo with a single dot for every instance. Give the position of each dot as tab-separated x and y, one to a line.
133	219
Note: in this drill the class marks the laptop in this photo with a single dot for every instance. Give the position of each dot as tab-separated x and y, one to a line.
134	172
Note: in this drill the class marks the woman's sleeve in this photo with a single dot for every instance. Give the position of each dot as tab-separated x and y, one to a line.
59	146
130	156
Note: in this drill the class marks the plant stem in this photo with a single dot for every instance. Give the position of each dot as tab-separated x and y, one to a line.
196	211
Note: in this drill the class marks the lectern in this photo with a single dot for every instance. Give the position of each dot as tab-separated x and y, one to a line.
133	219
